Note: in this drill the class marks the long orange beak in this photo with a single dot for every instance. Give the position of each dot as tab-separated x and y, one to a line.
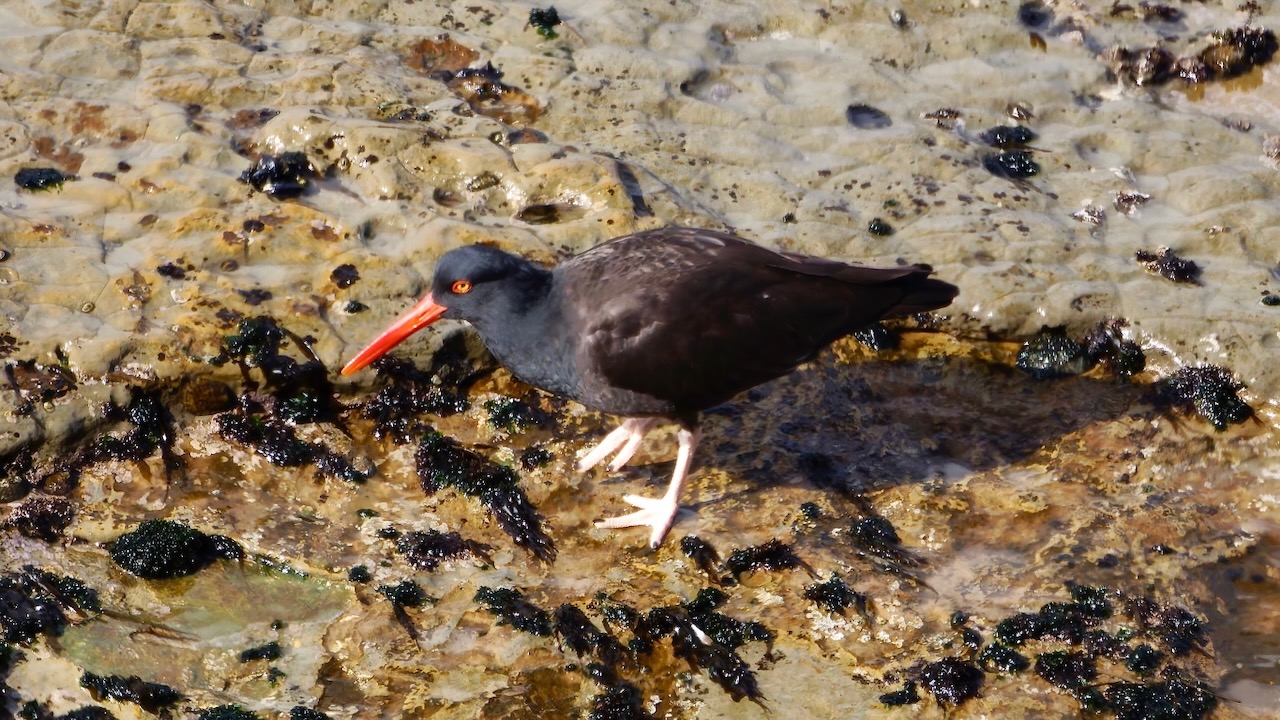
417	317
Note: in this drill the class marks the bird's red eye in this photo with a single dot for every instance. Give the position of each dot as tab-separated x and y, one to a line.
461	287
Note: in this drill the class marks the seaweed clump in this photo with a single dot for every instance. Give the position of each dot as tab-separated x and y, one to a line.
1011	164
35	602
426	550
772	555
1105	343
834	596
1167	263
397	409
511	606
153	429
576	630
151	697
728	631
443	462
1051	354
619	701
161	549
226	712
42	178
42	517
276	441
544	20
284	176
906	696
951	681
703	555
1208	390
1171	699
720	662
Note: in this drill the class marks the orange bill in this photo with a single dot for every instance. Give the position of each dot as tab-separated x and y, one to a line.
417	317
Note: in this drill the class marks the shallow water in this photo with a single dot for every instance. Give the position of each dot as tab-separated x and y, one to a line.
715	114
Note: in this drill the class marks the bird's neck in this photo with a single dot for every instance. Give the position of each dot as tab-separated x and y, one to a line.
528	334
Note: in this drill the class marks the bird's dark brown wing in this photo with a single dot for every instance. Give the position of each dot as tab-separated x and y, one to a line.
690	318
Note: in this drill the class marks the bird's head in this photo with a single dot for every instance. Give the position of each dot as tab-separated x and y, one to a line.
471	283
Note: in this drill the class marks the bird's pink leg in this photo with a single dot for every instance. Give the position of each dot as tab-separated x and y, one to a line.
660	513
626	436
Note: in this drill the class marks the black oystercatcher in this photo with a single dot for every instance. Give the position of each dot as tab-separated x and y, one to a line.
658	325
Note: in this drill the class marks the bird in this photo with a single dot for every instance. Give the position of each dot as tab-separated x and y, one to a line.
657	326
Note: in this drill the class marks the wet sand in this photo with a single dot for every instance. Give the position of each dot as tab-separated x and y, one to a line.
134	273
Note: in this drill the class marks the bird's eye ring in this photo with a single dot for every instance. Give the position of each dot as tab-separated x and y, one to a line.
461	287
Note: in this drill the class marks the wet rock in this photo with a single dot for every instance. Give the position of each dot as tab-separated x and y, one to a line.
203	396
162	549
284	176
1067	670
1141	66
906	696
1014	164
541	214
951	681
42	517
834	596
426	550
443	462
36	383
43	178
865	117
510	605
1129	201
1051	354
152	697
1167	263
1207	390
544	20
1090	215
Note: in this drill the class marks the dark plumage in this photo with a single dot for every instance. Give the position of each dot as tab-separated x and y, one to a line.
660	324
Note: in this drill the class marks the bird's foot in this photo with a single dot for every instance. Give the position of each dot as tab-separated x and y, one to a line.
656	513
625	439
